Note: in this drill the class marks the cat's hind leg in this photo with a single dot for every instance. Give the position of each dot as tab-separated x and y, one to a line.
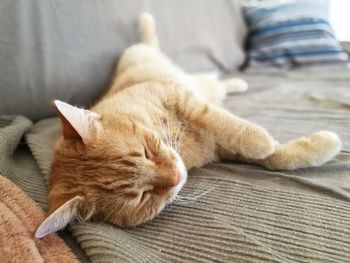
147	30
214	91
141	61
146	52
235	85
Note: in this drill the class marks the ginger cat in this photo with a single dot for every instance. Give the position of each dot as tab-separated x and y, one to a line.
126	158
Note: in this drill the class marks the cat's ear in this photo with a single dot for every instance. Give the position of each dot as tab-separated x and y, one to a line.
77	123
59	218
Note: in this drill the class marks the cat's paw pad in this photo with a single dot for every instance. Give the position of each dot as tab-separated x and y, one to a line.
256	143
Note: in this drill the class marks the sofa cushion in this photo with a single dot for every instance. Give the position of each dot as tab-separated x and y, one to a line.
67	50
291	33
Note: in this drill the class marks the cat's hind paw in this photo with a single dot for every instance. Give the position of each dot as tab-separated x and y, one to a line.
235	85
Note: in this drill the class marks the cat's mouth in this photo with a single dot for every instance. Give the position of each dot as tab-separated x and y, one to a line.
182	174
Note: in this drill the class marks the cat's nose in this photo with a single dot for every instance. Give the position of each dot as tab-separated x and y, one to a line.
171	179
177	178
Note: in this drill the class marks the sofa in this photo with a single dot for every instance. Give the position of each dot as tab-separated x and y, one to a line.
231	212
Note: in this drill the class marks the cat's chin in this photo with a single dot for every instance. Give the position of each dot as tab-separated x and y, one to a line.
183	176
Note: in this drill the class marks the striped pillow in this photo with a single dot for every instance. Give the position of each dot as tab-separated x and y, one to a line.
291	33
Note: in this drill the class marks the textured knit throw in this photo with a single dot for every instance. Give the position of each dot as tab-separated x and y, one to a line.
19	217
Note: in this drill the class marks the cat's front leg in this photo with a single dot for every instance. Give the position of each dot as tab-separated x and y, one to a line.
238	139
252	141
231	133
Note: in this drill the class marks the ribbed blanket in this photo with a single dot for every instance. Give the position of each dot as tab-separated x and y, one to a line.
229	212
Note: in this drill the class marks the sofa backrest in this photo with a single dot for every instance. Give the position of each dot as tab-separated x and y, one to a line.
51	49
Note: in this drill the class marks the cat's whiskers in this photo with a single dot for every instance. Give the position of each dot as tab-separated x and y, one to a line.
191	198
178	142
112	208
109	207
169	138
169	124
165	131
160	123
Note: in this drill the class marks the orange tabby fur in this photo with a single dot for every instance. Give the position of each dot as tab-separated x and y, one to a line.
124	160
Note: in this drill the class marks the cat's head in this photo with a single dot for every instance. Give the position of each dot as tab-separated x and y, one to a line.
109	168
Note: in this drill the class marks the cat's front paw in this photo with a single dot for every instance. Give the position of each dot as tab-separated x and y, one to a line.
322	147
255	143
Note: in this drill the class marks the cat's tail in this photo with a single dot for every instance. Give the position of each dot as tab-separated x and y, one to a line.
147	28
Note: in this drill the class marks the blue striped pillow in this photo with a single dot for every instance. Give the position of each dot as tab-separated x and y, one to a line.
291	33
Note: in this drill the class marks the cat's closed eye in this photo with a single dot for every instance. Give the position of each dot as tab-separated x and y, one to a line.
144	196
147	154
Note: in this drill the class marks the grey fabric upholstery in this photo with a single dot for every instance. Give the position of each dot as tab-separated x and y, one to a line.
346	46
67	50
